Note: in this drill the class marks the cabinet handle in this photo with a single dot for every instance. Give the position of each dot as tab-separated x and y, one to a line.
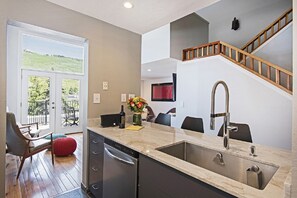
95	187
95	141
94	169
95	153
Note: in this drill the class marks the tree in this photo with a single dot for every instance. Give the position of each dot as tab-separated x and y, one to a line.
38	95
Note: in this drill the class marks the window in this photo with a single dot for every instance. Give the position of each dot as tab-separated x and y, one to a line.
44	54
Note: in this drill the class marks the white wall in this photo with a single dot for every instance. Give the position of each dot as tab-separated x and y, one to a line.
13	75
253	15
155	45
158	107
3	10
278	50
254	101
294	119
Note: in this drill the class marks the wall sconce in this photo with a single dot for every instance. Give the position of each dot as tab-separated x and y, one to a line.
235	24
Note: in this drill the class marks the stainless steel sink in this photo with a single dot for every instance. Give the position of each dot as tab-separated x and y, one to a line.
243	170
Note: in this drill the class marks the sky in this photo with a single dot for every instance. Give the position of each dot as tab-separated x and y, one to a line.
51	47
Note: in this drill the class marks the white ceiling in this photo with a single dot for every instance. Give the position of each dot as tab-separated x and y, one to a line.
159	69
146	15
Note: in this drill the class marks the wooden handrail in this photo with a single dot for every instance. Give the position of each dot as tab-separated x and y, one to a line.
257	58
204	50
203	45
262	68
269	31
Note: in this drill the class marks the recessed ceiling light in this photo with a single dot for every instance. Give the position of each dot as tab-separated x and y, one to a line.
149	70
128	4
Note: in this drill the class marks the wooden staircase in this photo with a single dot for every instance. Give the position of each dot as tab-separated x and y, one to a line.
270	72
269	31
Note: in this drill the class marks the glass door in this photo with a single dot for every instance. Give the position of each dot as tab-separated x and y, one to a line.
38	99
68	103
52	100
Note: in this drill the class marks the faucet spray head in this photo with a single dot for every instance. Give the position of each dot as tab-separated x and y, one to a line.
212	123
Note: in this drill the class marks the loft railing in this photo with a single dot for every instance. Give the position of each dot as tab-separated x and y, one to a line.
269	31
201	51
264	69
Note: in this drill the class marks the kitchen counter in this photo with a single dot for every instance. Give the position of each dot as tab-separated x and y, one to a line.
153	136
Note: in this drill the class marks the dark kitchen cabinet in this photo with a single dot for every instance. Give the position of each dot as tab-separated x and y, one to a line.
96	155
159	180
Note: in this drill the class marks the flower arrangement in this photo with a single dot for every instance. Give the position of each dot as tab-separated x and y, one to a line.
137	104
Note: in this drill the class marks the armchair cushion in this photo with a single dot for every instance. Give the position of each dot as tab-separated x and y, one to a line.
39	144
27	135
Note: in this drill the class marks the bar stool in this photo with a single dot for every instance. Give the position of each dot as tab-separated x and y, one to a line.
243	133
164	119
193	124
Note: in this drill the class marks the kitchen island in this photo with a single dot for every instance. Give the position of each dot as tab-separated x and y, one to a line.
153	136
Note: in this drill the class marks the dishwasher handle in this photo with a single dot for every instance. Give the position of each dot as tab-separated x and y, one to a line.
117	158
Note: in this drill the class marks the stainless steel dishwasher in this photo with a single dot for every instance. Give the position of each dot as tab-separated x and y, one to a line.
119	171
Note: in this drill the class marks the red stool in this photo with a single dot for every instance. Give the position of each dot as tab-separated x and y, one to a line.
64	146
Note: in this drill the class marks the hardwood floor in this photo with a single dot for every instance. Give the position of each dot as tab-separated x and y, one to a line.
40	178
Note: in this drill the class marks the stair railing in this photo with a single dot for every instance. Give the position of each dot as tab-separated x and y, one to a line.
269	31
262	68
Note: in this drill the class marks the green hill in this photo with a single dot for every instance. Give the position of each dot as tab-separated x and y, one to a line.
32	60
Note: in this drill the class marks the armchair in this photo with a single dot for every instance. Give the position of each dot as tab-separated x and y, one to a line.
24	146
34	132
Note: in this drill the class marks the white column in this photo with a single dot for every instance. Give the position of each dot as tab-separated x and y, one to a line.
3	9
294	127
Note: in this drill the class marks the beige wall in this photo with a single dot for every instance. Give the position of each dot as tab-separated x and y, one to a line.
294	131
2	95
114	55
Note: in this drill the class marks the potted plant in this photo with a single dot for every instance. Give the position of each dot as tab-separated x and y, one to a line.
136	105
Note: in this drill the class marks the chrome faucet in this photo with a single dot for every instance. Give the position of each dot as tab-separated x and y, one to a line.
219	159
226	127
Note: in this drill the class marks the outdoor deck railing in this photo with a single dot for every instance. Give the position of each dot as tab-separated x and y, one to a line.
39	111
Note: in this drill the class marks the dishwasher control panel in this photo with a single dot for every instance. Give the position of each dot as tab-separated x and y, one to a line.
122	148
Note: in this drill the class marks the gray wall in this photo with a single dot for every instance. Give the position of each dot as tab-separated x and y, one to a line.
114	54
253	15
187	32
278	50
3	10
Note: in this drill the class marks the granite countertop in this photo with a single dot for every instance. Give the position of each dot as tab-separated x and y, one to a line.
153	136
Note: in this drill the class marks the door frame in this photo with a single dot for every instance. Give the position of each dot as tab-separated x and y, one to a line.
14	68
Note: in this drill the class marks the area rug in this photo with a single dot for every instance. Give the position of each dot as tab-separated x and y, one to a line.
76	193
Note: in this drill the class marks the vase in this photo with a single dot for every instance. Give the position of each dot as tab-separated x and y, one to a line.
137	119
